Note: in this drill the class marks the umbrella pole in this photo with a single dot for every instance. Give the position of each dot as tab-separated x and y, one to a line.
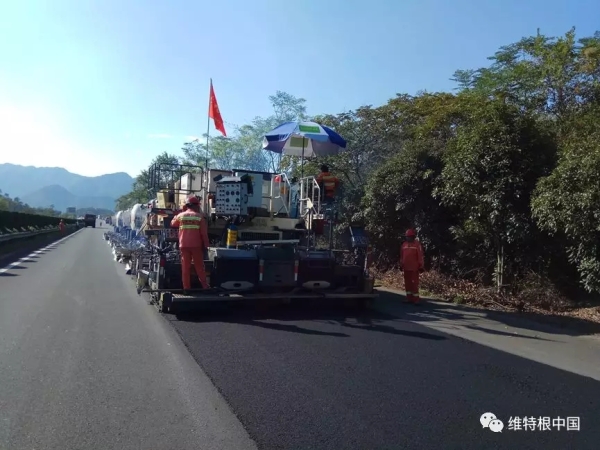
302	160
301	175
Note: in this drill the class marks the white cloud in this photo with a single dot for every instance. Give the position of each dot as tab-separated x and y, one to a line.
160	136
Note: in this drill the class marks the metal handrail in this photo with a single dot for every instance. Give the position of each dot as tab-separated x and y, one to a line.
276	186
315	201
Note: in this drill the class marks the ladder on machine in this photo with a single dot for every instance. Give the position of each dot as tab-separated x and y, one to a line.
310	199
281	189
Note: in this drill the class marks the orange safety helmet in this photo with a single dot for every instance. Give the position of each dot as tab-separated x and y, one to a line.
410	233
192	200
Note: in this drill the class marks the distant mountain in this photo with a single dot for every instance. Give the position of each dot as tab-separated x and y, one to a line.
45	186
62	199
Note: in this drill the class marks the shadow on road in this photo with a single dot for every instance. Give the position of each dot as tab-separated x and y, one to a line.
391	330
11	253
274	317
428	312
8	274
288	328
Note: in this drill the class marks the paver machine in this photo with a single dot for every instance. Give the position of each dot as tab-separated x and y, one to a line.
262	229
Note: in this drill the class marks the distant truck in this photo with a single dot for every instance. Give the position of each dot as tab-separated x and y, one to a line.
90	220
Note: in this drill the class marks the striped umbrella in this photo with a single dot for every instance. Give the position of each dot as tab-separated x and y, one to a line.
305	139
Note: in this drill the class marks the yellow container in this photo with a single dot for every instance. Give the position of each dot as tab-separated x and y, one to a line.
162	197
232	237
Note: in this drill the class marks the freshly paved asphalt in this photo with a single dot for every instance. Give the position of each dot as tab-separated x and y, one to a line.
86	363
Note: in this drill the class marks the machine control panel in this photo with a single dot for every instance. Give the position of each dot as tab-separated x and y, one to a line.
231	198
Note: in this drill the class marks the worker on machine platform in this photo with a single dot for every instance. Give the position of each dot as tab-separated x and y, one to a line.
412	263
329	184
193	239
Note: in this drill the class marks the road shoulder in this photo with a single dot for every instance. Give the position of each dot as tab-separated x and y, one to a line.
563	348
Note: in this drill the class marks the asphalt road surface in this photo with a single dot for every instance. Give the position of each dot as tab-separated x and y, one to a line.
87	364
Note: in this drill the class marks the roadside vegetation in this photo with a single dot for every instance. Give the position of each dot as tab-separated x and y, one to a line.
15	205
501	178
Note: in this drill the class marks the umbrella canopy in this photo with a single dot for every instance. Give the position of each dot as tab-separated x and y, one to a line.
305	139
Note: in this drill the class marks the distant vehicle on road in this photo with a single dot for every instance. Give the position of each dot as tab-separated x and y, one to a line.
90	220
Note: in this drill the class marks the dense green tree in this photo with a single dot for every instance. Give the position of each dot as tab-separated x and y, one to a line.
414	132
539	73
490	170
567	202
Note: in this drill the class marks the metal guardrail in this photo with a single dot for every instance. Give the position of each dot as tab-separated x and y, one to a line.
9	237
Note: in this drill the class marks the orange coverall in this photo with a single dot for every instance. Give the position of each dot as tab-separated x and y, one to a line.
411	262
330	184
193	239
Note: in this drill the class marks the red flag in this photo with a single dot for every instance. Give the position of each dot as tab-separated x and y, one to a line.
214	113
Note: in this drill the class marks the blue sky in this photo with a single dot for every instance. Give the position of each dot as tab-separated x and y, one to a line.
100	86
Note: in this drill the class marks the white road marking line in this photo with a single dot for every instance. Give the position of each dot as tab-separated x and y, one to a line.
37	252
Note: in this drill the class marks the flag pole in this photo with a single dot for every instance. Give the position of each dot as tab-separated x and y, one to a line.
208	125
207	184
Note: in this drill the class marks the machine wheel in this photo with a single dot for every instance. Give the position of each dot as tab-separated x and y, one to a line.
164	302
138	283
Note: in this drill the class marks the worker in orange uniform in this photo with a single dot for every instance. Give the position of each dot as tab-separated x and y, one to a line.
61	226
412	263
329	184
193	239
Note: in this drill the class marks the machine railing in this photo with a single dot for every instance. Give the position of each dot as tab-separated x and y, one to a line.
166	175
310	197
281	188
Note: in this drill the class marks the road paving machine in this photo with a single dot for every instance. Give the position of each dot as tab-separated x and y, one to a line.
263	228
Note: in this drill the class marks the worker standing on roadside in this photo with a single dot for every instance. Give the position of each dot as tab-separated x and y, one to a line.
329	183
61	226
193	239
412	263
